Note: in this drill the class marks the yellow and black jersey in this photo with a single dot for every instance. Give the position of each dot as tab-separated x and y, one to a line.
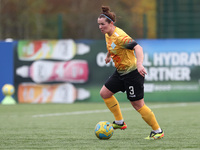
124	59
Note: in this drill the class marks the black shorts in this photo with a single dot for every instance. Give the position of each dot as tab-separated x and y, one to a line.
132	83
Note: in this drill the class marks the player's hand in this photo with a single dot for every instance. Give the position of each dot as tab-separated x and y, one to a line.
108	59
141	69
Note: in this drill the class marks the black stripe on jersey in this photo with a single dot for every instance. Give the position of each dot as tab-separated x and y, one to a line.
131	45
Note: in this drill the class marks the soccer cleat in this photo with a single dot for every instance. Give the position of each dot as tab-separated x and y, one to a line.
155	136
119	126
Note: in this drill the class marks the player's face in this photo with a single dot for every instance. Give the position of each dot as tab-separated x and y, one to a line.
104	26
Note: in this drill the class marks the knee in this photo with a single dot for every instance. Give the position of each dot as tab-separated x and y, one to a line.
105	93
138	104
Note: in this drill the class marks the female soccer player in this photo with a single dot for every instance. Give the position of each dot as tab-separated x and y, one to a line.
129	74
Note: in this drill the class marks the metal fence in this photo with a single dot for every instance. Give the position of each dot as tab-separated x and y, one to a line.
171	19
178	19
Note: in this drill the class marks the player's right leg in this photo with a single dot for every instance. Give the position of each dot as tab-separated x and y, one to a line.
113	105
112	86
122	126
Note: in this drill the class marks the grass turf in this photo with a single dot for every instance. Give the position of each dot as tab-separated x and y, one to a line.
71	126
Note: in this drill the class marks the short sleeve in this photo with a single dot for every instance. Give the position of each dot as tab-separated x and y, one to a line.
124	40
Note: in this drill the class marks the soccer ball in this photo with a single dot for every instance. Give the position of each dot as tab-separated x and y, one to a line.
8	89
104	130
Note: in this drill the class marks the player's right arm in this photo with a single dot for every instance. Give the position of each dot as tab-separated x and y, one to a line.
108	58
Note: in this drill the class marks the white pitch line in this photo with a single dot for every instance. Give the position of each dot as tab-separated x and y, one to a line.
107	110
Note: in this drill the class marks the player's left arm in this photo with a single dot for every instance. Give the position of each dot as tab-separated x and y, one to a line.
133	45
128	43
140	56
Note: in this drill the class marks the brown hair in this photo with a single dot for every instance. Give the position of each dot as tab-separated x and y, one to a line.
106	13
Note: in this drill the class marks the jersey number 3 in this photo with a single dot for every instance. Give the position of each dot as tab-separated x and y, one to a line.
131	89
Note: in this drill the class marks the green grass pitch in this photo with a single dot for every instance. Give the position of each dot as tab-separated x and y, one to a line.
71	127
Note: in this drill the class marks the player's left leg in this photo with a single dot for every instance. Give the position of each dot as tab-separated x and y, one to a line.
134	84
149	117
